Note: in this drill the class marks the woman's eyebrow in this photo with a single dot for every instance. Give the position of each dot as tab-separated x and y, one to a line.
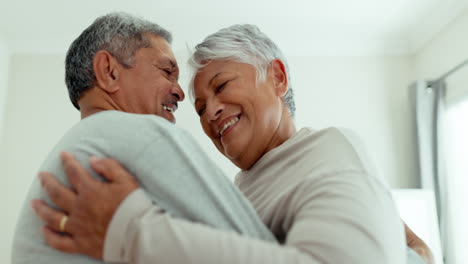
214	77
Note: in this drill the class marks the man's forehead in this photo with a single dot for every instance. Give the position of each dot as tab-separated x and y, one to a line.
163	50
169	61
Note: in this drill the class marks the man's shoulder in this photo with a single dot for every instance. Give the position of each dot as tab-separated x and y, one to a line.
119	118
114	134
117	124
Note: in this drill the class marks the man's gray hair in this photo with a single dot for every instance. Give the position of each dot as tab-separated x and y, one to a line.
118	33
245	44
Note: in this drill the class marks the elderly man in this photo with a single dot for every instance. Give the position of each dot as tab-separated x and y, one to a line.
126	64
347	218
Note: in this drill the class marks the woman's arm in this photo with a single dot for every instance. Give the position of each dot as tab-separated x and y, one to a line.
418	245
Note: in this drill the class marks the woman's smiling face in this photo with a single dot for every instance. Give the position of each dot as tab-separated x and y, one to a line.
238	113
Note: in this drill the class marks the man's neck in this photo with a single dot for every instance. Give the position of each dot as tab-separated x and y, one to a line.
96	100
91	111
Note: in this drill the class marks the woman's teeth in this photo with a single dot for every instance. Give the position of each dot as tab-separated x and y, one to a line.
228	124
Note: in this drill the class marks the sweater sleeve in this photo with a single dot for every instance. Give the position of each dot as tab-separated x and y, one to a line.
337	226
152	236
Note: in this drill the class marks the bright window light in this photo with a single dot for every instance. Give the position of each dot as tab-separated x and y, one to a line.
417	208
456	139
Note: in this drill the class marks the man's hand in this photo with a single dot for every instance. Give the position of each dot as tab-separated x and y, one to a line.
418	245
89	206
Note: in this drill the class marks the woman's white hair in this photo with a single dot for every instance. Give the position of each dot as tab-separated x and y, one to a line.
244	44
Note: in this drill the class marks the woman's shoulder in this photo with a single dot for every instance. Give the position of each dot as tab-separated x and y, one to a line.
335	147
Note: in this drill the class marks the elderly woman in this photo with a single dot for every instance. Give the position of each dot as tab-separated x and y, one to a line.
315	190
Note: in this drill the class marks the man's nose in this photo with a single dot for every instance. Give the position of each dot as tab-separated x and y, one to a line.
177	92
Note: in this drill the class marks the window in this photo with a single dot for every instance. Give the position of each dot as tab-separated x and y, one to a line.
456	149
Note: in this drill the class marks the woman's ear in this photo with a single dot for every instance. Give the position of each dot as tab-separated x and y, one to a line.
106	70
280	77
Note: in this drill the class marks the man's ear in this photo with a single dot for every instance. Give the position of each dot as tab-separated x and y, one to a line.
107	70
280	77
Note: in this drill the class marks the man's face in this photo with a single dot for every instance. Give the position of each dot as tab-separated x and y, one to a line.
151	85
238	114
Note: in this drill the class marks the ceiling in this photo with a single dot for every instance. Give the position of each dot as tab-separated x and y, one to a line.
299	27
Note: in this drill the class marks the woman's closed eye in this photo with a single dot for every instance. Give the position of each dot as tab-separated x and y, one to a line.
219	88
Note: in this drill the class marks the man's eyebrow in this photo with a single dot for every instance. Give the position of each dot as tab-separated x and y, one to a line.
173	63
169	62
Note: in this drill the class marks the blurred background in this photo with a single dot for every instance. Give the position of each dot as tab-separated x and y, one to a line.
381	68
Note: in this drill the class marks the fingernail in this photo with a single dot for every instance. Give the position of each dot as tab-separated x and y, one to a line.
32	204
94	159
66	156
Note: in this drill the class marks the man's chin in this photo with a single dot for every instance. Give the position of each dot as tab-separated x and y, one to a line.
170	119
168	116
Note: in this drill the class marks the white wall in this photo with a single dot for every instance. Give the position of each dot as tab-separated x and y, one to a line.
446	50
4	63
366	94
37	115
